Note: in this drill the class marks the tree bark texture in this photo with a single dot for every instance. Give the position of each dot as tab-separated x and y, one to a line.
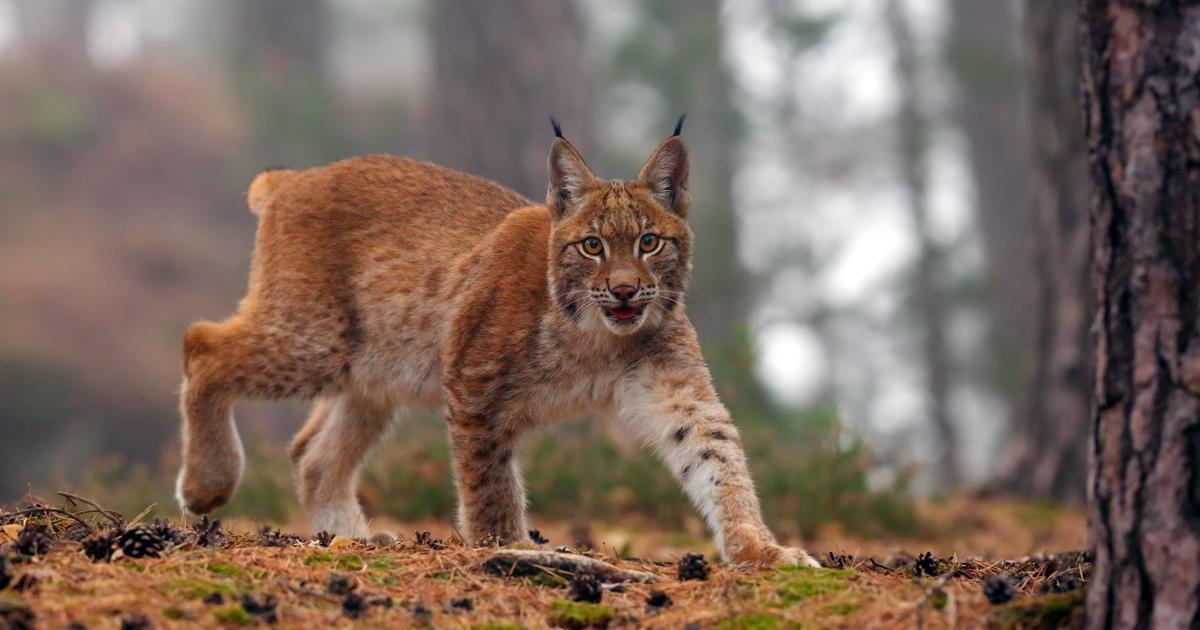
1141	88
501	69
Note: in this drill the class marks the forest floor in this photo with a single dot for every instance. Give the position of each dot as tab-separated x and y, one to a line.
976	551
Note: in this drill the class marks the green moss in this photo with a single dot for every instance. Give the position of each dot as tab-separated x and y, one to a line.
345	563
753	621
939	600
575	615
172	612
383	580
225	569
383	563
842	608
191	588
1055	610
233	613
801	583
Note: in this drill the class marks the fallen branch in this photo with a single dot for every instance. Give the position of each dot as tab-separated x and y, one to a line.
523	562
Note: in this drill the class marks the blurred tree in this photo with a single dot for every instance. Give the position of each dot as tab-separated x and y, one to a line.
677	49
983	52
929	279
1140	73
500	70
277	61
1047	457
55	28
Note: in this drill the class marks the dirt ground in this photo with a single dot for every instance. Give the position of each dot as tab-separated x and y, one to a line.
244	577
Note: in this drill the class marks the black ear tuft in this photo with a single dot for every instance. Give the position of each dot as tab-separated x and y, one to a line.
557	128
679	124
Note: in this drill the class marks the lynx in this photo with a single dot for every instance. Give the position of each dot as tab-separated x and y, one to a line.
382	283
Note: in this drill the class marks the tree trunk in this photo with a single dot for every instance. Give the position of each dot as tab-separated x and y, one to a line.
1141	88
1048	454
984	53
278	56
55	28
694	78
929	289
501	69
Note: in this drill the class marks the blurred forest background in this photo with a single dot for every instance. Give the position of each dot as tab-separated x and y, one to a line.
890	276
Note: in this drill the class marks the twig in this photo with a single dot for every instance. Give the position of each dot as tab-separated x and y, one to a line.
51	510
111	515
520	562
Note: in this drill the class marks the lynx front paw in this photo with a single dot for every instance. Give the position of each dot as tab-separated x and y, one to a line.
752	544
777	556
201	493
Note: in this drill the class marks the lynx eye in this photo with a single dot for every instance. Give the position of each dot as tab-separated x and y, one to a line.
648	243
592	246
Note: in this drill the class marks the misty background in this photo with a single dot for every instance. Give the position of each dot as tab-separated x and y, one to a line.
890	272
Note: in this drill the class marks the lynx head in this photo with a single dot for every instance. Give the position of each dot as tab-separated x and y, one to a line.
620	251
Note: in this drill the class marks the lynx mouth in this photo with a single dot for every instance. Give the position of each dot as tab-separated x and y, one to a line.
623	314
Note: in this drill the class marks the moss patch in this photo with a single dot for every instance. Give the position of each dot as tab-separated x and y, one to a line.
754	621
800	583
1047	611
575	615
233	613
195	588
345	563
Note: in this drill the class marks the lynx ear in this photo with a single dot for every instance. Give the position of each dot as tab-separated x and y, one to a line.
569	176
666	175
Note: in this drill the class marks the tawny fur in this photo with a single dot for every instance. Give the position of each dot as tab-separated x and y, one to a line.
382	283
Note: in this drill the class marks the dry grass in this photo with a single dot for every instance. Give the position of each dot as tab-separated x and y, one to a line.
423	584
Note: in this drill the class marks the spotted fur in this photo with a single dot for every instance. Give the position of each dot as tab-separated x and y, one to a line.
382	283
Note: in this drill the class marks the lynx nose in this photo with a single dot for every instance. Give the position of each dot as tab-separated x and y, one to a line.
624	292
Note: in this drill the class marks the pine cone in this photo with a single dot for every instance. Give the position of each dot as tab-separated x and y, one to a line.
208	533
998	588
538	538
657	600
261	606
692	566
34	540
168	532
140	541
100	546
354	606
585	587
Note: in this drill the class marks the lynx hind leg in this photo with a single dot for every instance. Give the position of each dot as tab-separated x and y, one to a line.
330	450
316	419
223	362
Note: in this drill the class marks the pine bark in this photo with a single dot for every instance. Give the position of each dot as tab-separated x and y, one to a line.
1141	89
